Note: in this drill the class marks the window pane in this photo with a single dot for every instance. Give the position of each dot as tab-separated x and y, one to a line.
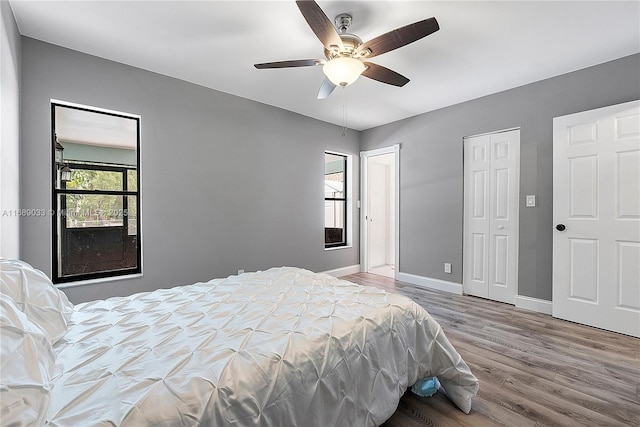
132	180
97	250
334	169
334	163
87	179
334	186
89	210
334	222
132	215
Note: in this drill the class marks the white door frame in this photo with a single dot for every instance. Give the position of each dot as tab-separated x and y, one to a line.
364	230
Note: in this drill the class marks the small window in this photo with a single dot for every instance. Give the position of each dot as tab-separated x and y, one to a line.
335	200
96	198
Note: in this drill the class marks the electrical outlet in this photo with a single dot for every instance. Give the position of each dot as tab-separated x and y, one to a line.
531	201
240	272
447	267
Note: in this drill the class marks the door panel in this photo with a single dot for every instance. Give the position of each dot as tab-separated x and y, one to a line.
479	185
584	278
503	277
501	192
583	188
491	165
628	263
596	195
478	260
476	223
627	194
501	266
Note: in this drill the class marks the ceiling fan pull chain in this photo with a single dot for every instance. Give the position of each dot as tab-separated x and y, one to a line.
344	110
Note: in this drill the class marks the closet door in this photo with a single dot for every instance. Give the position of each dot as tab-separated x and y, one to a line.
491	166
476	215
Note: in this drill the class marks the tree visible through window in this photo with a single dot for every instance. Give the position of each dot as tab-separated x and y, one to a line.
96	193
335	199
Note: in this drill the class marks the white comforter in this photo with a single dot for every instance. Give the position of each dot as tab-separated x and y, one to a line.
284	347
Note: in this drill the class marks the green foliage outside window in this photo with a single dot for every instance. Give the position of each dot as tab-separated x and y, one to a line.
100	210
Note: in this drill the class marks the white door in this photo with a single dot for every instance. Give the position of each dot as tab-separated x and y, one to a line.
491	175
596	214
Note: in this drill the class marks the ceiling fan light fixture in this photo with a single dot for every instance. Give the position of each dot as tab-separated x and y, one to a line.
343	70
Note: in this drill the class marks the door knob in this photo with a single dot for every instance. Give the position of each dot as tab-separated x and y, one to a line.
501	227
560	227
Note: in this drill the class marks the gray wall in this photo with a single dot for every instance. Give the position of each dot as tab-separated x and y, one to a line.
10	132
431	174
227	183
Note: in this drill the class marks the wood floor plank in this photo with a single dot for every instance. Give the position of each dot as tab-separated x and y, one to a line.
498	414
559	399
534	370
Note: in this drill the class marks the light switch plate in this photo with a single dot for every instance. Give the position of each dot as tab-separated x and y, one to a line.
531	200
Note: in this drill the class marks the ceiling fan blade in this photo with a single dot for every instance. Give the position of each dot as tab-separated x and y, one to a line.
326	88
320	24
290	64
384	75
398	38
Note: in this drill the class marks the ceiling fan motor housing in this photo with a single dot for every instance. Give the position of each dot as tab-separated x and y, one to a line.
343	22
350	43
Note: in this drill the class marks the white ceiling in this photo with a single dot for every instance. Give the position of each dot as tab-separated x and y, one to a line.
482	47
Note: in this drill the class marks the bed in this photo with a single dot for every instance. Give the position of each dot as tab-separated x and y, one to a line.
279	347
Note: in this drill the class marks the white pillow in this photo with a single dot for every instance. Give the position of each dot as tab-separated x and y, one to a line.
35	295
26	366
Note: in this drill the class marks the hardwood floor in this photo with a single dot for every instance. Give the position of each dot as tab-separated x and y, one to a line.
534	370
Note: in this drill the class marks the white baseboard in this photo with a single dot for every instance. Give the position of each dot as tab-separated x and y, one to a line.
426	282
343	271
525	302
534	304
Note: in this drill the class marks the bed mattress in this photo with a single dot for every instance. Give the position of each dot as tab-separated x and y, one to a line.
281	347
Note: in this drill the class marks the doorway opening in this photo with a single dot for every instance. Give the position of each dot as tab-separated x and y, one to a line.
380	177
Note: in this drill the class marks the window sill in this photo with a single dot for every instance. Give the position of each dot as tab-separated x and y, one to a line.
335	248
97	281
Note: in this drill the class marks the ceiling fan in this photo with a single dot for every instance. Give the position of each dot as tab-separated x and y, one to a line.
346	54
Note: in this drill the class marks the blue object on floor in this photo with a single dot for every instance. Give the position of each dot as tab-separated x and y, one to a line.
426	387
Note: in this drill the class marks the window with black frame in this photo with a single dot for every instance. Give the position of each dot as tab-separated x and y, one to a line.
335	200
96	193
